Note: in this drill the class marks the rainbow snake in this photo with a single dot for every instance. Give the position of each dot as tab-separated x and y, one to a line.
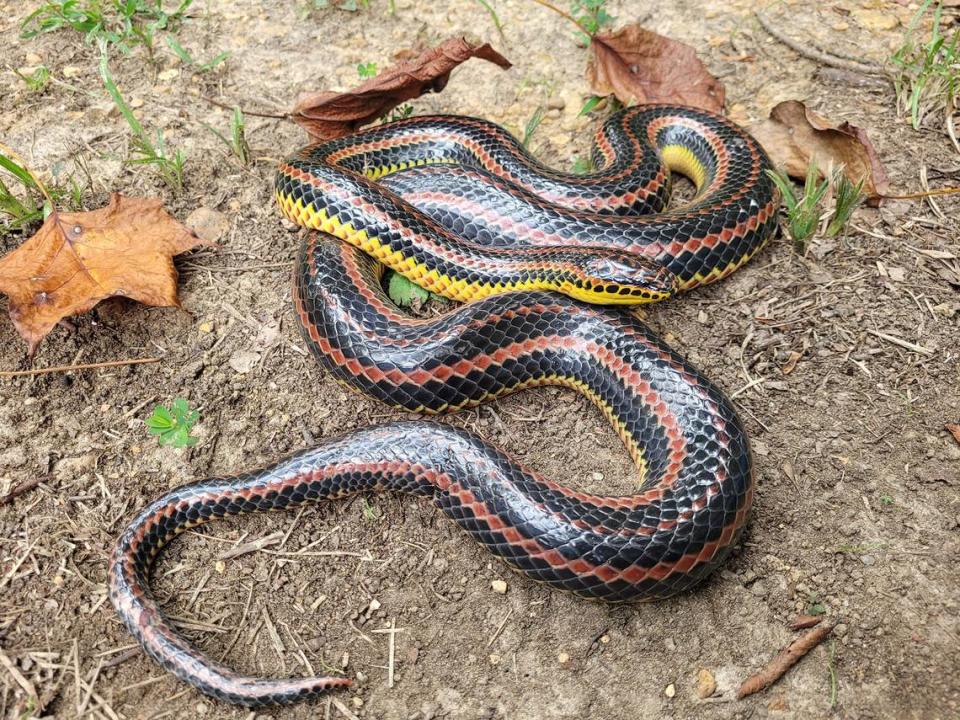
458	206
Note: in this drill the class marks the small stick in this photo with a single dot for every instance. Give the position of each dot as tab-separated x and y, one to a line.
252	546
905	344
20	679
818	55
786	659
24	487
84	366
391	648
344	710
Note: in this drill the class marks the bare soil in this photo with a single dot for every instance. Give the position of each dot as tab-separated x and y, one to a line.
857	506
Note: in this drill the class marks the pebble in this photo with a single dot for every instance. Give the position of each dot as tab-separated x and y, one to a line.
670	690
868	560
167	75
71	71
33	59
495	659
499	586
563	658
554	103
706	684
243	361
209	224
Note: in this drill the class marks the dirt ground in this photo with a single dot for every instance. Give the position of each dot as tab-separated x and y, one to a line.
856	508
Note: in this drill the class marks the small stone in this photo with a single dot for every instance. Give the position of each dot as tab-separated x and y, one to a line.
205	327
71	71
167	75
563	658
670	690
876	20
554	103
32	59
243	361
499	586
596	477
202	709
357	701
136	102
220	566
605	639
706	684
495	659
868	560
209	224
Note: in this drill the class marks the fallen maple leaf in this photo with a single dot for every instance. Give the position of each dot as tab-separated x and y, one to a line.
639	67
327	115
77	259
794	135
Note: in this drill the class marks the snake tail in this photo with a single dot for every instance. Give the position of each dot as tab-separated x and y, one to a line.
695	483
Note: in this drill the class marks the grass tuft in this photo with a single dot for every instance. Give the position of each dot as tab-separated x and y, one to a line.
146	150
926	73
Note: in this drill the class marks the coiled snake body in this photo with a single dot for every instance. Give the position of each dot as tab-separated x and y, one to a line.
489	224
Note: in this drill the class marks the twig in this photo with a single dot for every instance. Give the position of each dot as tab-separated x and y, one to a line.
563	14
20	679
786	659
905	344
252	546
272	116
344	710
25	486
817	55
84	366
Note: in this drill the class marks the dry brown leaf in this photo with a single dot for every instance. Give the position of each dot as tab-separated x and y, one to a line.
77	259
639	67
794	135
953	429
327	115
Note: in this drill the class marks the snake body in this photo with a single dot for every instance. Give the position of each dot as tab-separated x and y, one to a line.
459	206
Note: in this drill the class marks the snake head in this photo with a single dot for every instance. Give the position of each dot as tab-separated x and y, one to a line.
623	279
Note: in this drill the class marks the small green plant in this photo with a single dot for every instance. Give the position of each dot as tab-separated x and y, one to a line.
348	5
814	605
926	73
27	207
886	500
187	59
847	197
237	142
145	151
493	15
172	425
404	292
37	80
402	112
582	165
532	124
367	69
590	105
803	213
369	513
592	16
123	23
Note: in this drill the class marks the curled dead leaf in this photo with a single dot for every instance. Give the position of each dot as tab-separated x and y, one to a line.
954	429
794	135
78	259
327	115
639	66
